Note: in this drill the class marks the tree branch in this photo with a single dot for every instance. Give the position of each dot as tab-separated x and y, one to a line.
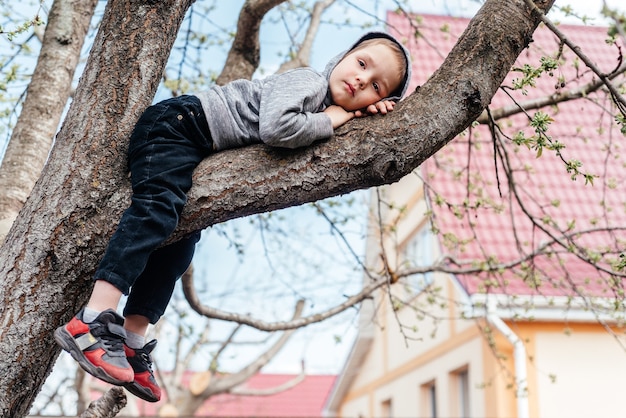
107	406
245	53
47	95
565	240
209	312
538	103
617	97
303	55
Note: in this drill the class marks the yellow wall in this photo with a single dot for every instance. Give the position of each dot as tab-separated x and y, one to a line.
588	365
576	370
396	367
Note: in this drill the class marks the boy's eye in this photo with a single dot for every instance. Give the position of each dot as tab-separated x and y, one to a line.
362	63
376	87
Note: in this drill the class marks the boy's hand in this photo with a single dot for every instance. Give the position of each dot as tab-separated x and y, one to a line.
383	107
338	115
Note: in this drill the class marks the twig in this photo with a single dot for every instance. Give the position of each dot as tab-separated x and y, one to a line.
617	97
552	99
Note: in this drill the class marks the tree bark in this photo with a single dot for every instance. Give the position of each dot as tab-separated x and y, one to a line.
107	406
53	248
47	94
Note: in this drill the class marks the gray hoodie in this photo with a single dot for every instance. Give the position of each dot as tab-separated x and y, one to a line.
282	110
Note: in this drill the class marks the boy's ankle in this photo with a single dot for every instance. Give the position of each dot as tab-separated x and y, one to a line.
134	340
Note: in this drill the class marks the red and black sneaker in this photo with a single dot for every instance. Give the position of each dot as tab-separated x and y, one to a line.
98	346
144	385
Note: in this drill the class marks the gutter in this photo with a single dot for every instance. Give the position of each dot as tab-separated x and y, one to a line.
519	360
544	308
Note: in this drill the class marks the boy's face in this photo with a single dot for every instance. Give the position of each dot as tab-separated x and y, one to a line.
364	77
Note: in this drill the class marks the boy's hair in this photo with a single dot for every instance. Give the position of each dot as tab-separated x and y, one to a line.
397	51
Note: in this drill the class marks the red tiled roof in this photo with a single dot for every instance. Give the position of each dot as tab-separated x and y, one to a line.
306	399
547	190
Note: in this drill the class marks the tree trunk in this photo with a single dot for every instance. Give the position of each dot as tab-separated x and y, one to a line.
45	101
51	252
47	260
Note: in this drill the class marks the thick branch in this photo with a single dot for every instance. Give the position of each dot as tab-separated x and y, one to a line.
47	94
107	406
245	53
367	152
119	80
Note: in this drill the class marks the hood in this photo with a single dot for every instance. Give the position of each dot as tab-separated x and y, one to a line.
404	84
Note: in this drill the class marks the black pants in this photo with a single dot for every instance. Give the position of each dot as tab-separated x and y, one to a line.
168	142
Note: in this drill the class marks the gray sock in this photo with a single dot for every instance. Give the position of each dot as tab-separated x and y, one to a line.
90	314
134	340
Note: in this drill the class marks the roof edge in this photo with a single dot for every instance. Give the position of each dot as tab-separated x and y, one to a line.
352	366
543	308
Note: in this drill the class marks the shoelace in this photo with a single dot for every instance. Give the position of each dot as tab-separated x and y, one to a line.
113	343
114	346
146	357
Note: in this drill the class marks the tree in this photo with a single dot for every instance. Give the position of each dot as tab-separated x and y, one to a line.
45	100
53	247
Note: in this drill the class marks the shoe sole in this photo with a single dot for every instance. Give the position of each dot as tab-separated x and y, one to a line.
140	392
67	342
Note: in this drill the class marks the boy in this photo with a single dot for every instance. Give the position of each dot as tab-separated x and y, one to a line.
290	110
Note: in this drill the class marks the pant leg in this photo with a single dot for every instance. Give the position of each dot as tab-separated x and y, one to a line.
153	289
169	141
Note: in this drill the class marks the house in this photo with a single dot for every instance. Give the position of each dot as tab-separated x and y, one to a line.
543	338
266	395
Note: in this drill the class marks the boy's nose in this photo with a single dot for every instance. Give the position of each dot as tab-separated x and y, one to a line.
361	81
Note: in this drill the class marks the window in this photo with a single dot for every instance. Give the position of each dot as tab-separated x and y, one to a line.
460	392
418	252
386	408
429	399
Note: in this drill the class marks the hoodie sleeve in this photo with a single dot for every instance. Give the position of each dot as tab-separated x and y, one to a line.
290	109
